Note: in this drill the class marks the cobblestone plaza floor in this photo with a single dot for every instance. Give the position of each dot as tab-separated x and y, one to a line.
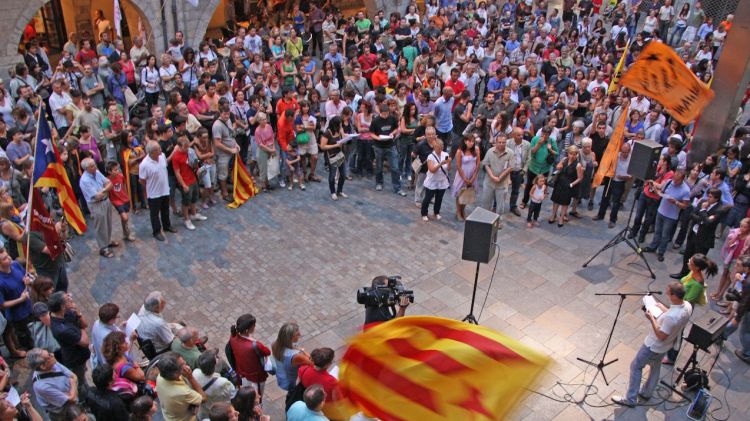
299	256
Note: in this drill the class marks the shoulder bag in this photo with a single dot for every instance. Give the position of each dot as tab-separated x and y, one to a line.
265	362
442	169
337	159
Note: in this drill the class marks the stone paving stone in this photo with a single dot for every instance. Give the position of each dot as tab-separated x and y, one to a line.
298	256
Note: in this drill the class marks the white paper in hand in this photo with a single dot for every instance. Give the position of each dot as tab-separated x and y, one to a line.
13	396
133	322
650	302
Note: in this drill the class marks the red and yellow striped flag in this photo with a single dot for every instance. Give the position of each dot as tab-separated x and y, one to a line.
244	186
608	162
430	368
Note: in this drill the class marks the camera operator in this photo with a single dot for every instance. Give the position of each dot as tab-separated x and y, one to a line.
383	313
740	320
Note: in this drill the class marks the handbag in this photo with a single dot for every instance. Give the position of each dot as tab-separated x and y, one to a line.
265	362
130	98
467	196
273	167
336	160
303	138
416	165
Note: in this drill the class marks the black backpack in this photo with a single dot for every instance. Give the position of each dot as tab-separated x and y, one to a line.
294	395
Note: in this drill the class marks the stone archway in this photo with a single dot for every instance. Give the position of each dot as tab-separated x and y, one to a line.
197	19
16	13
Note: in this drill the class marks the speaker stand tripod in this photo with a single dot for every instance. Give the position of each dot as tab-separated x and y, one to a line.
622	237
470	317
601	364
690	364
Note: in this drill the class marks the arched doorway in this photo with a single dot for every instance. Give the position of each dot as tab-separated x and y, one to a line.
54	21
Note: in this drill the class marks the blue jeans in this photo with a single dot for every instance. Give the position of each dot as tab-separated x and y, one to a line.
677	34
644	357
391	154
663	232
745	335
405	149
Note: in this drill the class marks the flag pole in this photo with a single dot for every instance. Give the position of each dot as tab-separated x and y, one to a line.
29	204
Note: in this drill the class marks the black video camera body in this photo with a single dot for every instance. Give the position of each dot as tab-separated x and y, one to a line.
383	296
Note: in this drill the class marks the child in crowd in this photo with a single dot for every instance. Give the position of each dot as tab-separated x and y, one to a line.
120	198
293	161
538	193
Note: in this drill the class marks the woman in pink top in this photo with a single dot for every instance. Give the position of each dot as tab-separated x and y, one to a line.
128	67
736	245
87	143
265	140
198	107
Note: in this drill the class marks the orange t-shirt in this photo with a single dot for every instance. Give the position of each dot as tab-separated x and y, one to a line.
285	132
379	78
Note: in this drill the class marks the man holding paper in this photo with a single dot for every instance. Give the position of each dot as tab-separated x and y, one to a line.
384	127
662	334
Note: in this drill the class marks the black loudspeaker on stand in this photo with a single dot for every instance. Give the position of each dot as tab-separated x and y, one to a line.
643	161
480	239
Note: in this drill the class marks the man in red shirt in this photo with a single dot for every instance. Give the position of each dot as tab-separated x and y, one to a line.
287	102
187	182
455	84
119	196
86	55
380	76
369	62
285	134
322	359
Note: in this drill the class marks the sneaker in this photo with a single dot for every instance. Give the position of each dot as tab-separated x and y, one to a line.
282	184
620	400
401	193
160	237
204	206
189	225
408	178
344	195
198	217
425	219
302	187
379	187
438	217
290	187
334	197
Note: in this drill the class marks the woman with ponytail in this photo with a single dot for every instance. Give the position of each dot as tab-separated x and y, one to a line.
248	353
695	288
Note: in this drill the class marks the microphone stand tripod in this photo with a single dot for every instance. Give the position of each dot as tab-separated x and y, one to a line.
601	364
622	237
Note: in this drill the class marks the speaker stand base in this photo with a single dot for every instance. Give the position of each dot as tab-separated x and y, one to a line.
470	317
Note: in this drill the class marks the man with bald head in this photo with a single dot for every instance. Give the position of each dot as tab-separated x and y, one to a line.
95	188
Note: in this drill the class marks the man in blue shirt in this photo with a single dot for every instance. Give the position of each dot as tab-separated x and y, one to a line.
54	385
310	407
675	195
444	116
95	188
14	299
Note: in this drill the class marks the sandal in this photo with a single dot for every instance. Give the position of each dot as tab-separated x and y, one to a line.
574	214
114	244
714	296
314	178
551	221
105	252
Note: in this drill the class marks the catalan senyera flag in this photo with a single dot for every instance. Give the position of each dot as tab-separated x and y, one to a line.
431	368
244	186
659	73
608	162
50	172
614	84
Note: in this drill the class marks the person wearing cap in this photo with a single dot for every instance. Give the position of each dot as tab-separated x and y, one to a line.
95	188
41	330
16	303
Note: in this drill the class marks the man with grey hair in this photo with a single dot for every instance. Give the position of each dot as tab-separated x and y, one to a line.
187	346
95	188
178	390
153	175
54	385
153	326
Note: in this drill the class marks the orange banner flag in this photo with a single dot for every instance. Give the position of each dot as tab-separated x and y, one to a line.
608	162
431	368
659	73
244	186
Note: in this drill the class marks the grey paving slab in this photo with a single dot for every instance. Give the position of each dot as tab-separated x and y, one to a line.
298	256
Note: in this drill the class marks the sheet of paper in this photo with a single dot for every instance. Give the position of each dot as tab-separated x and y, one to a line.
650	302
334	371
347	138
13	396
133	322
385	137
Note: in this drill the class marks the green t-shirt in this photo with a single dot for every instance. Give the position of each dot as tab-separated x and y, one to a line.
694	290
190	355
538	161
363	25
410	52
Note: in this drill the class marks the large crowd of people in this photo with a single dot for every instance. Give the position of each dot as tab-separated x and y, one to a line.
507	103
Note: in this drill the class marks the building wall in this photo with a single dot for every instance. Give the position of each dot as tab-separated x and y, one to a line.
193	21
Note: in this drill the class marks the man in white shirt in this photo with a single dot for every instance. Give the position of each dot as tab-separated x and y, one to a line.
663	333
597	83
641	104
152	173
444	71
619	28
57	102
